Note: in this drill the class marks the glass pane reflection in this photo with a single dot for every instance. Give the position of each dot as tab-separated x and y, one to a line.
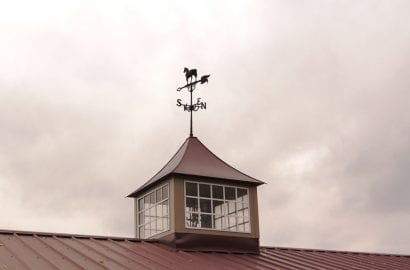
216	207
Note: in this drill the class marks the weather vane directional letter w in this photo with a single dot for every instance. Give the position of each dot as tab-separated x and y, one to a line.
191	82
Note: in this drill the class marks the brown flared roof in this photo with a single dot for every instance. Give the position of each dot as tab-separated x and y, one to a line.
43	251
194	158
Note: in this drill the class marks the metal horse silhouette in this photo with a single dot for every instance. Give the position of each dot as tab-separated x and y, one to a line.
189	73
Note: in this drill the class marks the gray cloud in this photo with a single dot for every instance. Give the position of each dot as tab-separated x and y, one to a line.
311	97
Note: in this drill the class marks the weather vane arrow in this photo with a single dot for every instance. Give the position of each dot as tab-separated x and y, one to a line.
191	82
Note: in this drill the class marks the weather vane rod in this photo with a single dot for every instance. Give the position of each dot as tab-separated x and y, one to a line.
191	82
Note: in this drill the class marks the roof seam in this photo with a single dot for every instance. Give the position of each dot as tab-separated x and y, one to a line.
132	251
103	255
150	259
79	252
116	252
58	252
36	252
17	257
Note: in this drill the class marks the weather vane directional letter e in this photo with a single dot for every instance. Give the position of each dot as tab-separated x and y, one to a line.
191	82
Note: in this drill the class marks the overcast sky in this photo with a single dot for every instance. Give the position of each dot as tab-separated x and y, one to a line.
310	96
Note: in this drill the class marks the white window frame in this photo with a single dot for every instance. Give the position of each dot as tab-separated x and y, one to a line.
211	198
154	205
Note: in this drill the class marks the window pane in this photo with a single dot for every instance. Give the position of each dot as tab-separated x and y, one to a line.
231	207
225	222
141	218
152	198
146	202
147	231
219	207
147	219
165	192
229	193
191	220
152	212
191	205
232	223
165	223
159	197
165	208
242	194
159	210
241	227
160	226
140	204
241	207
232	228
247	227
191	189
153	227
217	192
141	232
204	190
246	212
206	221
218	222
205	205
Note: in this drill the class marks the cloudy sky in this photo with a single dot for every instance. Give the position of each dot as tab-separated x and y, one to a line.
310	96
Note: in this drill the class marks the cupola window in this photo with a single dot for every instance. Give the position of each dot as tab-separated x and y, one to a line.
153	212
216	207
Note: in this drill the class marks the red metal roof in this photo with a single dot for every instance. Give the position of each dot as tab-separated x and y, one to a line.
194	158
43	251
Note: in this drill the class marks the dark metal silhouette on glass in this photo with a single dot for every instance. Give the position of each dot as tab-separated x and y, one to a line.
191	82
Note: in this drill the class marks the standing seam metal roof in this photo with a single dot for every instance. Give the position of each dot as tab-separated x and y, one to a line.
194	158
43	251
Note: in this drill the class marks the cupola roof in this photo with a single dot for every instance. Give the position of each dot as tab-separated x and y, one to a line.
194	158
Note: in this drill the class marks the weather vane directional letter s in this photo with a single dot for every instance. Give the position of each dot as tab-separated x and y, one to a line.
191	82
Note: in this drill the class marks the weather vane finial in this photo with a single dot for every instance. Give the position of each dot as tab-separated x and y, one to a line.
191	82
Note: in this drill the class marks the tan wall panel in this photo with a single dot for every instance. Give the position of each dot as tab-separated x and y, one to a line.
179	208
254	210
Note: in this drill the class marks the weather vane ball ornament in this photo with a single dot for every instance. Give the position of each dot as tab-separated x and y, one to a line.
191	82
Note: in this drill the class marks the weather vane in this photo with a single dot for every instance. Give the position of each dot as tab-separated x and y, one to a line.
191	82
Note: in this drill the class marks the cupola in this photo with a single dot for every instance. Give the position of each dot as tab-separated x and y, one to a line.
199	202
